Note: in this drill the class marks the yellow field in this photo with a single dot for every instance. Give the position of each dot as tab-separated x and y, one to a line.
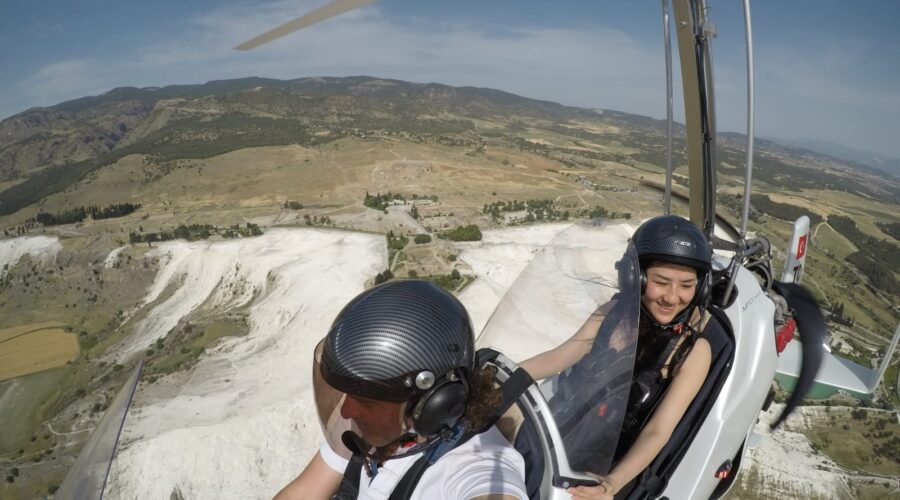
9	333
32	348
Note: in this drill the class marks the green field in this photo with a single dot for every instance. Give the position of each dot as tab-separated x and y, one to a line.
852	442
829	239
21	400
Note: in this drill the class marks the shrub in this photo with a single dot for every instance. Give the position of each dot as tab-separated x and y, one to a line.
464	233
422	238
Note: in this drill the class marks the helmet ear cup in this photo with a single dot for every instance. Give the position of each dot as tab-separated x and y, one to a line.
440	408
704	288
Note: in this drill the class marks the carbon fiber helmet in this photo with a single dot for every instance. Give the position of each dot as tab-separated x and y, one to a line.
404	341
670	238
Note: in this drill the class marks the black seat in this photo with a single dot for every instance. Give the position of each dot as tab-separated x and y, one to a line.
652	481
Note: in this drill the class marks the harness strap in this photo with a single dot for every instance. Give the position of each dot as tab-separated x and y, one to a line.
512	388
349	488
410	480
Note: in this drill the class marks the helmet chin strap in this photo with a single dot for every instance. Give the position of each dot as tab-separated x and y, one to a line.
359	446
677	324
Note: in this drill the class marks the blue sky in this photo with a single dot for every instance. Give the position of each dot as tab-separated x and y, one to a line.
824	69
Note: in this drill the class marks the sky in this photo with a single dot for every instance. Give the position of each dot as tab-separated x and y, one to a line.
826	70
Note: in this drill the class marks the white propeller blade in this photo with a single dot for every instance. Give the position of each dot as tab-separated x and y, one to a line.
324	12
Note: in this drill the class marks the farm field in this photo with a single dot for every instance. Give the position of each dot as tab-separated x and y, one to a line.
32	348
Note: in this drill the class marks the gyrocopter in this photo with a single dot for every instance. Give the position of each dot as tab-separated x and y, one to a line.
593	263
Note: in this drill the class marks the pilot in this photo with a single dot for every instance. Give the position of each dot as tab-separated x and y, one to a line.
672	357
404	407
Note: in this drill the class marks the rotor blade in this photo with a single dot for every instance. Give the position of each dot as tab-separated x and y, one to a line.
812	329
324	12
87	478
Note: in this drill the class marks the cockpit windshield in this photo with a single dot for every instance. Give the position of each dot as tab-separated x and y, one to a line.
587	275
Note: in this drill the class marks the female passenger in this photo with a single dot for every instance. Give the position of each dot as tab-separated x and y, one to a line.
672	358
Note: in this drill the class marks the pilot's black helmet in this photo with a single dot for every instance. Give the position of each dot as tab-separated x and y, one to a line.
403	341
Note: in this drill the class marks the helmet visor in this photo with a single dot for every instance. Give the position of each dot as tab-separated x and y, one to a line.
328	407
373	423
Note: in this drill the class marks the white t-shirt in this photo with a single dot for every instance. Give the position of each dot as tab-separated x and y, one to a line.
484	464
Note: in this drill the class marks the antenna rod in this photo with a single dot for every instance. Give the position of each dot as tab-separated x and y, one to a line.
667	35
749	174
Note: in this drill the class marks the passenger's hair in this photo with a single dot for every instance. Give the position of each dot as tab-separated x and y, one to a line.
484	397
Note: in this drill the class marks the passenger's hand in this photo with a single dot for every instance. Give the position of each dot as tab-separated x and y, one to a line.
603	491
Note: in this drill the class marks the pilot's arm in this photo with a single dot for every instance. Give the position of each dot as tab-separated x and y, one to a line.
549	363
318	481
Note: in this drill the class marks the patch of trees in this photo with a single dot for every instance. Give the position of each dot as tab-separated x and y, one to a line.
530	147
65	217
316	220
195	232
383	276
380	201
421	239
293	205
877	259
783	211
536	210
892	229
838	316
396	242
112	211
78	214
498	207
450	282
602	213
470	232
859	414
735	205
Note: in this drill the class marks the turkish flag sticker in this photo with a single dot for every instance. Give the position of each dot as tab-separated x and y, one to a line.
801	246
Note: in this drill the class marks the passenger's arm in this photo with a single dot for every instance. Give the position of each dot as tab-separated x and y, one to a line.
568	353
687	381
318	481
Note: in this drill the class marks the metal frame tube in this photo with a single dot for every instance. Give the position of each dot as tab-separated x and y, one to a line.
667	36
750	111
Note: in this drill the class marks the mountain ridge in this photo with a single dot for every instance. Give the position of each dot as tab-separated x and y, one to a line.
48	149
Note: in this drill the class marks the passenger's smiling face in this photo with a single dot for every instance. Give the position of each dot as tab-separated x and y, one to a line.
670	289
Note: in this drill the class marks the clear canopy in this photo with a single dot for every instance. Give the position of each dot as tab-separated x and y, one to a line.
588	274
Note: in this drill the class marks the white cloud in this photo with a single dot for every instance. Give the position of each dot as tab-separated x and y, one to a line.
63	80
590	66
798	88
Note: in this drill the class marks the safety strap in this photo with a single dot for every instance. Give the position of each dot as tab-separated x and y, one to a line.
349	488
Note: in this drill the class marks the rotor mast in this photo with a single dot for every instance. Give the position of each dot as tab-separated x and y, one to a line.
693	34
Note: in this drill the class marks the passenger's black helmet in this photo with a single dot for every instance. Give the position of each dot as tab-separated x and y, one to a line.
670	238
396	341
